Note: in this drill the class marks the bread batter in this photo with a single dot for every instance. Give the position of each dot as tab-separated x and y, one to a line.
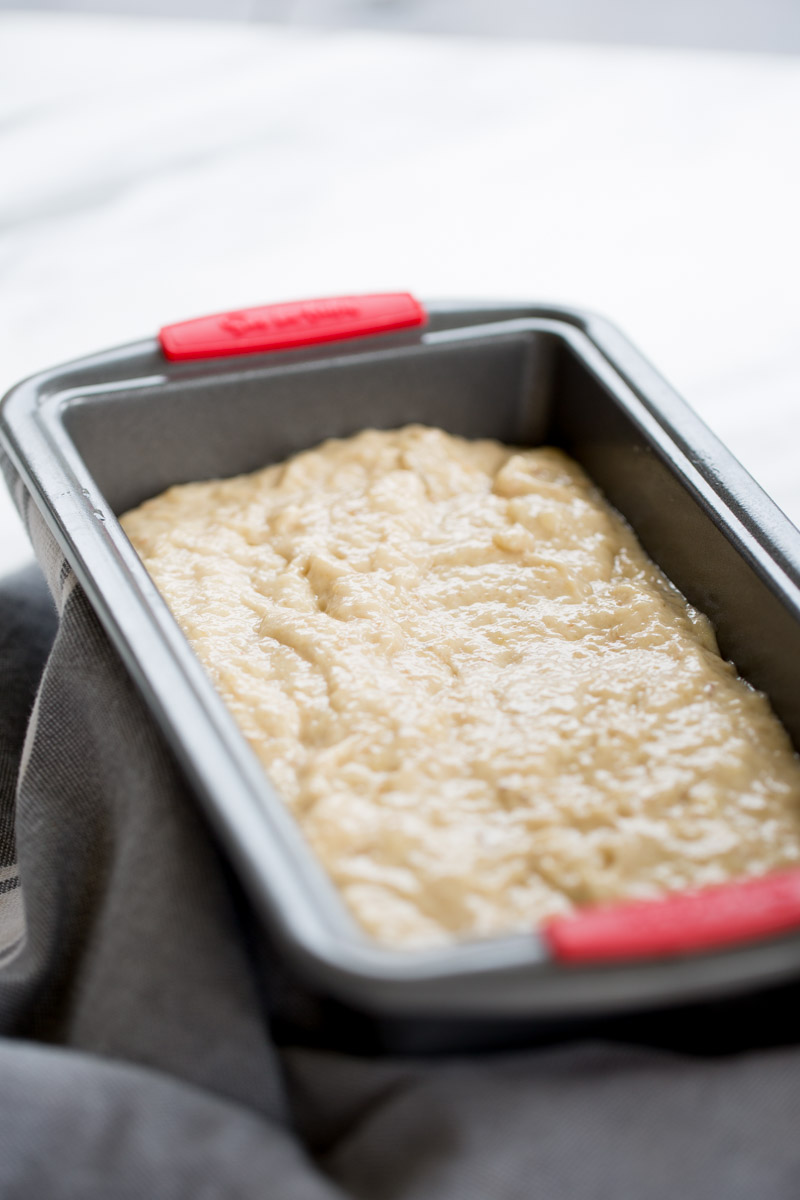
481	700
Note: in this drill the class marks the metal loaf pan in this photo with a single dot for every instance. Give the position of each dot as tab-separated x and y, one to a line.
97	436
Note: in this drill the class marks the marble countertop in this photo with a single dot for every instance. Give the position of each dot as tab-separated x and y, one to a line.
155	170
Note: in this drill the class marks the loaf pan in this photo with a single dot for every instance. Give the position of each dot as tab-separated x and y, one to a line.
230	393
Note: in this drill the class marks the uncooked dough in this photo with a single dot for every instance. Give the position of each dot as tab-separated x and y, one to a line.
481	700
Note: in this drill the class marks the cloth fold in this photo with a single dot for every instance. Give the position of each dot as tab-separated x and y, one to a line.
136	1052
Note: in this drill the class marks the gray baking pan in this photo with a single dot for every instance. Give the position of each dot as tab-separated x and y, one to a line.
94	437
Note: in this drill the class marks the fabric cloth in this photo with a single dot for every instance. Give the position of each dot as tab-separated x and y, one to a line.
137	1057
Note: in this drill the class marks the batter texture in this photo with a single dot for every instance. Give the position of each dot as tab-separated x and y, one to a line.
481	700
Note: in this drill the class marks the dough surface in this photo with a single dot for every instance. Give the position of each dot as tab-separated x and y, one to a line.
481	700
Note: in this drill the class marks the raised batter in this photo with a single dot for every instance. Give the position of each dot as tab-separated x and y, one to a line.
481	700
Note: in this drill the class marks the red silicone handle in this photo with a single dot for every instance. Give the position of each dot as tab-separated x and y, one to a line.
683	923
284	326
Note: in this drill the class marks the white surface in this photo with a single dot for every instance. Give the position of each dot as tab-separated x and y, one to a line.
154	171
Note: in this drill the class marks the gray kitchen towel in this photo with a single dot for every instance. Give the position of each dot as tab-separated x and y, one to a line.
136	1052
